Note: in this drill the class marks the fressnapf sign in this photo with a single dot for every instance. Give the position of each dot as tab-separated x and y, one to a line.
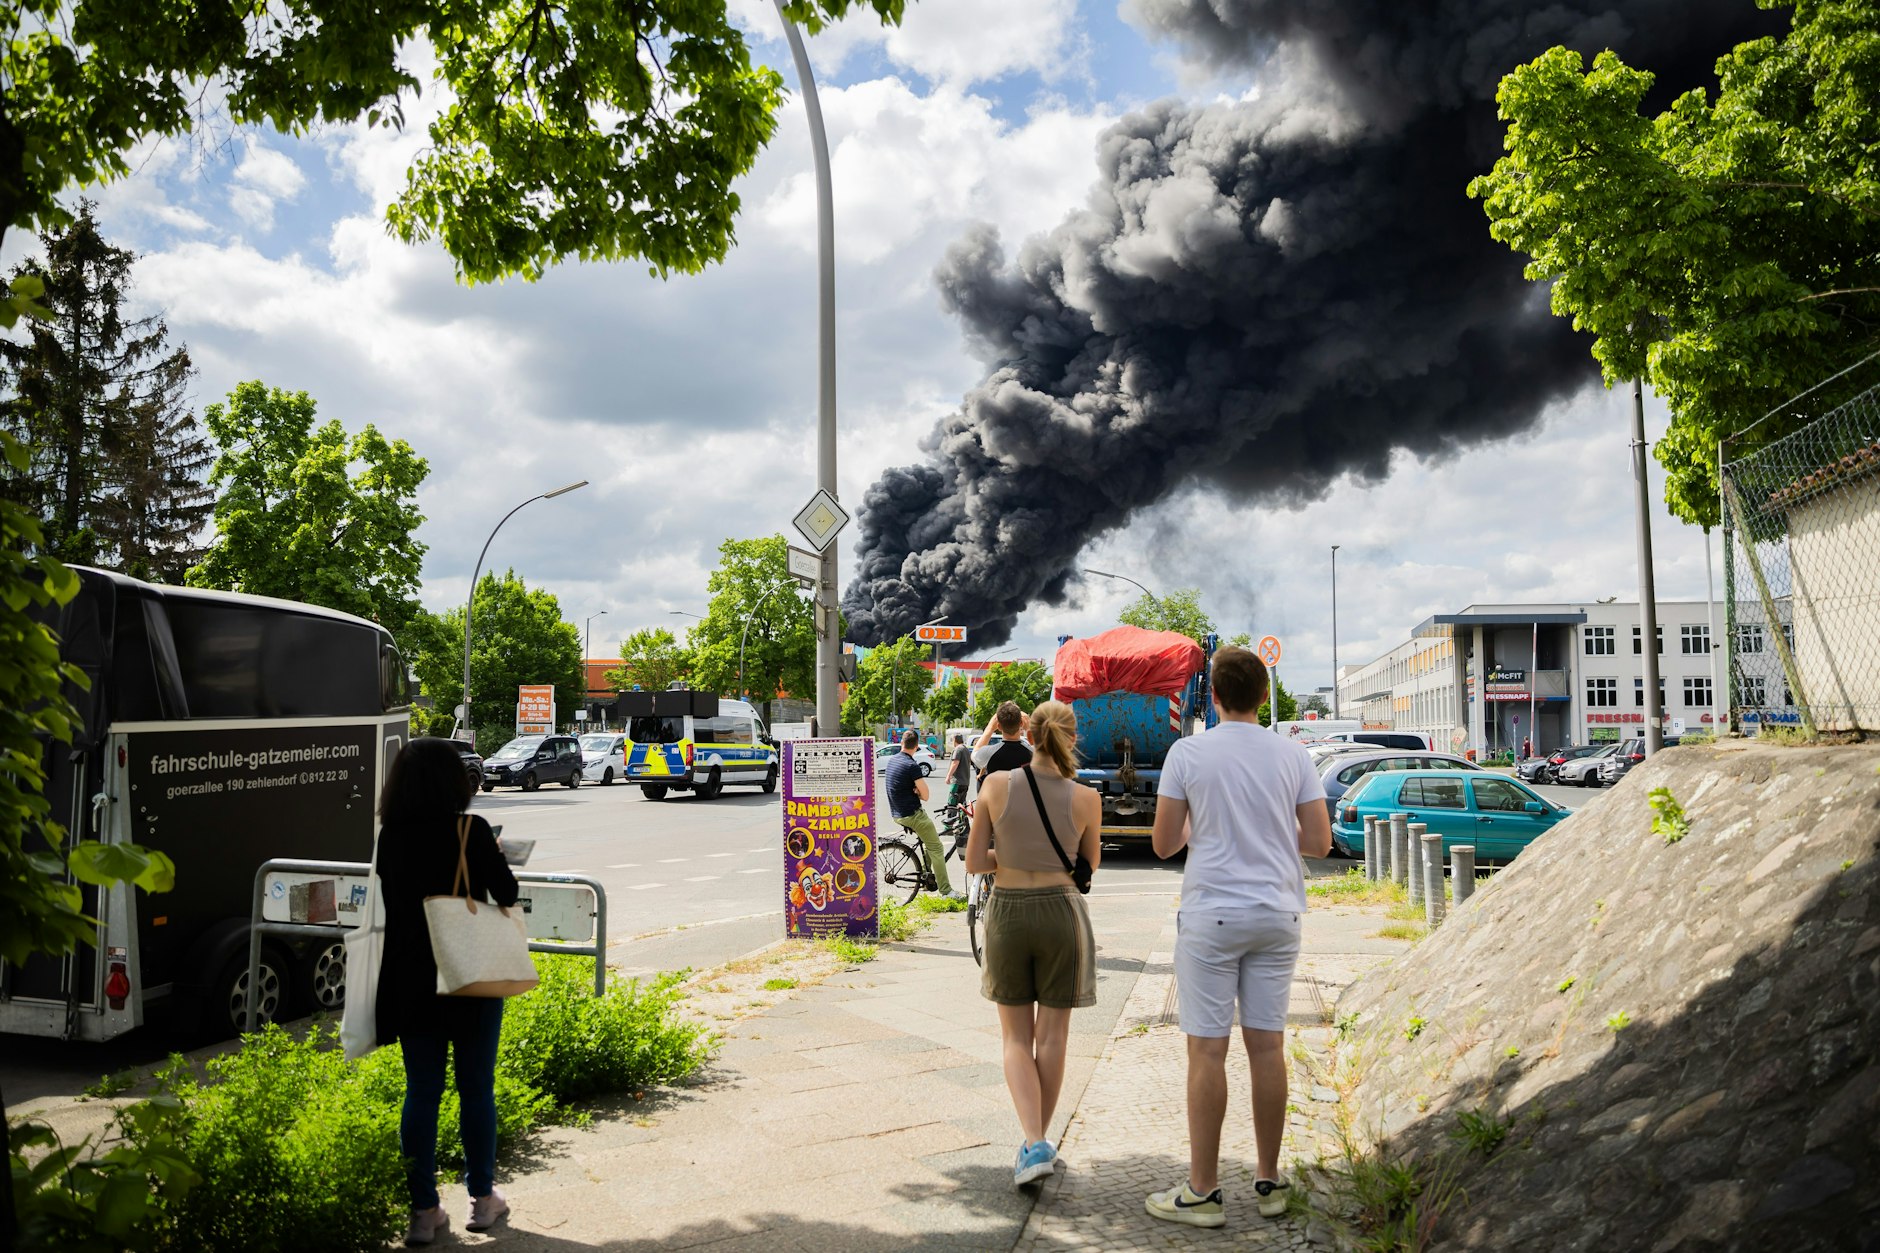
535	709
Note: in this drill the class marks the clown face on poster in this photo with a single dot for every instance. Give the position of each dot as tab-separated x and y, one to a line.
829	838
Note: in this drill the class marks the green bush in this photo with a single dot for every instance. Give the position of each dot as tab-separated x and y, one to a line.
296	1148
74	1200
569	1044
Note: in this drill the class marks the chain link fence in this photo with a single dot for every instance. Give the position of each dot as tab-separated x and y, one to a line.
1801	543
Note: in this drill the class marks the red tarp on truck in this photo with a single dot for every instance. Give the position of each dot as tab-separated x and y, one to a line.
1125	659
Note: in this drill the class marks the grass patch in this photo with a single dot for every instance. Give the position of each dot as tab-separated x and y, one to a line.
850	952
1352	888
930	904
779	985
1402	931
1480	1132
1618	1022
116	1083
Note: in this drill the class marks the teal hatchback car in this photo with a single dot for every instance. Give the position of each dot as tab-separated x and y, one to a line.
1491	811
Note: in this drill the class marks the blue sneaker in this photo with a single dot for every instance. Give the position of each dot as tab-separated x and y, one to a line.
1035	1161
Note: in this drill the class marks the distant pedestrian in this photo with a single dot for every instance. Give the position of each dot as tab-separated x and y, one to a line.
1527	748
426	791
1040	951
1011	752
906	779
1245	803
960	771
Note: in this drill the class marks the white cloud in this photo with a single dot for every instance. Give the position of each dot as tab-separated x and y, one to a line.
264	179
952	42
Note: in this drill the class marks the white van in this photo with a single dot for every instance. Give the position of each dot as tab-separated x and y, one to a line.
1317	728
698	751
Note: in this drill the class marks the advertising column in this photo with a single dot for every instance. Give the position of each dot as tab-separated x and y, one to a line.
829	836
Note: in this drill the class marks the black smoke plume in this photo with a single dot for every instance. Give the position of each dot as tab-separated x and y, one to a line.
1262	295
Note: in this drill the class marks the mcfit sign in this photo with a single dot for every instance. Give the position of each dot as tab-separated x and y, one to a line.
1506	684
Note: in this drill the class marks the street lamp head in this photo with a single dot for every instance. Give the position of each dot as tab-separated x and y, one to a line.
563	491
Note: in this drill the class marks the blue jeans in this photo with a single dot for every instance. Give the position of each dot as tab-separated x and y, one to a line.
472	1040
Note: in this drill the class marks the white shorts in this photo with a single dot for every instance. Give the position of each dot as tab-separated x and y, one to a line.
1248	955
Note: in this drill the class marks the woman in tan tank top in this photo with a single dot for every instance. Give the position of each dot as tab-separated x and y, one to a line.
1040	952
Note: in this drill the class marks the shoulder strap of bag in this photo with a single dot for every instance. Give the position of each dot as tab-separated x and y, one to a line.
1044	816
462	878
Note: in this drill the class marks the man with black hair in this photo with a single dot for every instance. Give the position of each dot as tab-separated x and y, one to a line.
906	782
1246	803
1012	751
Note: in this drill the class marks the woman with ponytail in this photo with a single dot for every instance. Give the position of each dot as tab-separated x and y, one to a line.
1041	956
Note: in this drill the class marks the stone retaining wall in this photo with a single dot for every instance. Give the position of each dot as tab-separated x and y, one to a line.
1683	1039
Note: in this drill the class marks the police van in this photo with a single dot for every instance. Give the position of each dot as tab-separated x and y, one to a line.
222	730
693	741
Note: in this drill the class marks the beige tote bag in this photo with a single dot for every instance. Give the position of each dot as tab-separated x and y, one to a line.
481	949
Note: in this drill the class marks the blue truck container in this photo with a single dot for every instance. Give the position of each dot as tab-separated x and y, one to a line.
1123	739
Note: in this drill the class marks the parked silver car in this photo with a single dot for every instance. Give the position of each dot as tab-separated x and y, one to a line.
1583	771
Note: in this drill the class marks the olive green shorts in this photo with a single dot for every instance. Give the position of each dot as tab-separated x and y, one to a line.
1039	948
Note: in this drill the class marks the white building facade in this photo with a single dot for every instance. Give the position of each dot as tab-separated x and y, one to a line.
1492	676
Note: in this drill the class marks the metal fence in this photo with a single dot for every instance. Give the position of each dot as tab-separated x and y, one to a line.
1801	543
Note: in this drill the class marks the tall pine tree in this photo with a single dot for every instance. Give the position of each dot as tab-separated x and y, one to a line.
116	460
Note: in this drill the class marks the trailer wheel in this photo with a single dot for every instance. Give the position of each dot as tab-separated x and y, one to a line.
224	1010
323	976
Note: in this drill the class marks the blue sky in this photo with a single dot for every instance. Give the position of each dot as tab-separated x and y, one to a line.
690	403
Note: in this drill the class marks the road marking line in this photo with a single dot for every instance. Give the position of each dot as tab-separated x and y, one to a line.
625	865
768	848
643	887
704	878
667	861
723	854
758	870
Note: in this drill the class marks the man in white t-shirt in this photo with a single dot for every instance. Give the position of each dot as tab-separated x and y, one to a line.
1245	803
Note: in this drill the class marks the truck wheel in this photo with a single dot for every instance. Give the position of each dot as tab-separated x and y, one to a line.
770	780
574	780
530	782
224	1009
323	977
653	791
712	786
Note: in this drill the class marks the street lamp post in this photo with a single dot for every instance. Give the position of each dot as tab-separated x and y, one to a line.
587	649
828	620
470	601
1153	598
1647	589
746	634
1335	548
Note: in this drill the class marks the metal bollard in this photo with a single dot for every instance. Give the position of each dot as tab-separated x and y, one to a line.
1414	841
1433	880
1370	849
1462	870
1399	847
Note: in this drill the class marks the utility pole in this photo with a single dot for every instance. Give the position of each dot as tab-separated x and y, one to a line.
828	615
1647	586
1335	548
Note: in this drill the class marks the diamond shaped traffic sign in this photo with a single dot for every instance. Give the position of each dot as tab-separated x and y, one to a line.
820	520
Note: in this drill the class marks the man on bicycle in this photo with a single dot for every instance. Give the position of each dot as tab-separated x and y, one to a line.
907	796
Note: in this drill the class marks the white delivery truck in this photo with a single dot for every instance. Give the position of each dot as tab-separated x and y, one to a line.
222	730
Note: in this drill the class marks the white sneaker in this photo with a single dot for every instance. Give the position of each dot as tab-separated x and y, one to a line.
1182	1205
425	1224
1272	1193
485	1211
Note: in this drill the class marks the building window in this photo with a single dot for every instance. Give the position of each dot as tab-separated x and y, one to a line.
1750	692
1697	691
1602	693
1599	641
1696	639
1638	651
1749	637
1638	692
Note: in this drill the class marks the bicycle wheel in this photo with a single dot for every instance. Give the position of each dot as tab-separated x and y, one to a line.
902	868
975	908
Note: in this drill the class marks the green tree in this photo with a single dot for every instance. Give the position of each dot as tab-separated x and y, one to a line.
519	638
1288	707
651	659
98	399
307	513
40	912
1026	683
752	584
1315	704
1727	251
946	704
890	683
1179	611
599	131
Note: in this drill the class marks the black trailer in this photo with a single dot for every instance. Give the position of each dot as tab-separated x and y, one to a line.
222	730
